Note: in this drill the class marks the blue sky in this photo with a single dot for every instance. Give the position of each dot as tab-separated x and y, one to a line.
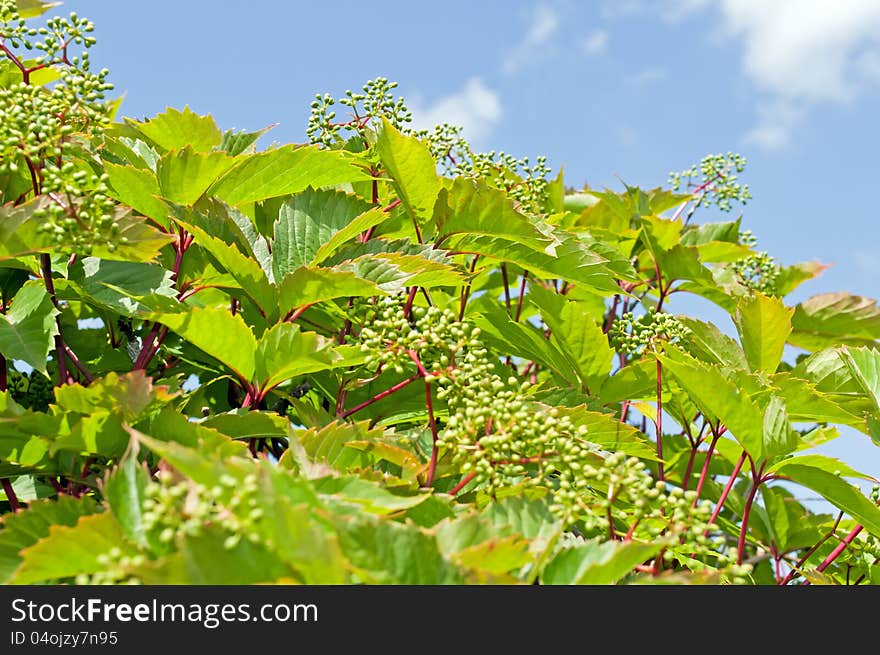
629	88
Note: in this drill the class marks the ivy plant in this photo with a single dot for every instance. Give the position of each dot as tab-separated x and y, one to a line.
383	357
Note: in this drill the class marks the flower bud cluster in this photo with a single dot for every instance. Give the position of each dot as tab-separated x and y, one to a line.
42	127
496	435
115	571
716	179
375	100
31	390
176	509
758	271
632	335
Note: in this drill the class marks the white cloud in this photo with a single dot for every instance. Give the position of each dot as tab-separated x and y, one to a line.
804	49
543	26
778	120
646	76
475	107
595	42
800	53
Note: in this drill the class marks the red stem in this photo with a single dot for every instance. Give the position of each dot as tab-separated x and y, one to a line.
689	469
10	494
461	485
741	543
704	473
727	488
796	568
432	465
847	540
407	308
79	365
506	288
659	423
379	396
522	292
611	314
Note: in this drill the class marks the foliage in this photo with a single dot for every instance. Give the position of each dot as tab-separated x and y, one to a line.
382	357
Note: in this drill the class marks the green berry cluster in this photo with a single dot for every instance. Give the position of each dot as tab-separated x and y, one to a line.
758	271
175	509
115	571
448	146
524	182
632	335
77	211
619	491
748	238
375	100
31	390
435	335
716	179
42	126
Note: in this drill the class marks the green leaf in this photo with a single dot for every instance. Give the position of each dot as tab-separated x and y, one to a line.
864	365
23	529
244	270
833	319
218	333
185	175
237	143
28	328
33	8
176	129
779	437
69	551
308	221
791	277
371	496
171	426
727	232
309	286
412	168
720	398
123	287
473	207
596	563
392	272
576	335
495	556
764	324
125	494
523	340
355	226
841	494
607	431
286	170
822	462
575	260
137	188
285	352
209	562
303	543
386	552
129	395
711	345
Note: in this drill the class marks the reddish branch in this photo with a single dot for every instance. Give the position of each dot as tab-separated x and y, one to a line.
379	396
432	465
796	569
10	494
704	473
726	492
